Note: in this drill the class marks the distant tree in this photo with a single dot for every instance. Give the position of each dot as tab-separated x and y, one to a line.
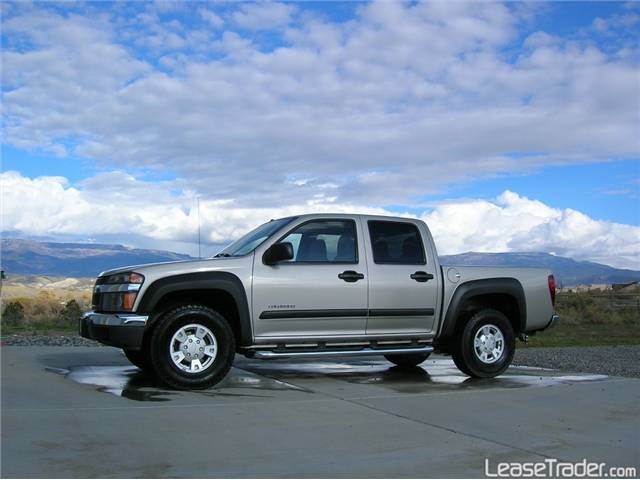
70	314
13	314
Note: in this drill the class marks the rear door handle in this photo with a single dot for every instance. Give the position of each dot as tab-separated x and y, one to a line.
350	276
421	276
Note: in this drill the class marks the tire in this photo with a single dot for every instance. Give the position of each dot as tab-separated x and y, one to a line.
140	358
496	345
407	360
202	337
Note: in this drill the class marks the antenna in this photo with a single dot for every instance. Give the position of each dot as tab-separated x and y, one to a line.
199	244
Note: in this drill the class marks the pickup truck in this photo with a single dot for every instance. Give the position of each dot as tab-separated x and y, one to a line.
318	285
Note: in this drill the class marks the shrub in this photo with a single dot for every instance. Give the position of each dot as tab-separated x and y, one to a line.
70	314
13	314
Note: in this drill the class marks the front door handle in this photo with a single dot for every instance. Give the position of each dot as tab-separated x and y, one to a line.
350	276
421	276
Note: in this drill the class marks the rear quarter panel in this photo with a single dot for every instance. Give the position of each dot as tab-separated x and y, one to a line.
534	282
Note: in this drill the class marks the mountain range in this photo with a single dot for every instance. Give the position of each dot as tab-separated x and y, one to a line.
28	257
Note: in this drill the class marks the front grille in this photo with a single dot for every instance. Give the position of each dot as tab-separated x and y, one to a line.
107	302
95	299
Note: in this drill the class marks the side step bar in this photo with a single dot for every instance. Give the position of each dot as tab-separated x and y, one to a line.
269	354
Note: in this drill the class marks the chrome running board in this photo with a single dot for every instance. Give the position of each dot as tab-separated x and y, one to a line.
269	354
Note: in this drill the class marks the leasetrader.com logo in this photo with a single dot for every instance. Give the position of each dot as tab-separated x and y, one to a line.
552	468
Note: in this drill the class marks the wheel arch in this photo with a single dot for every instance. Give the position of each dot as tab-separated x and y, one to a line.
221	291
503	294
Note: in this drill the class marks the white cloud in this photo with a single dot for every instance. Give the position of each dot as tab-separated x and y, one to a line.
263	15
116	203
397	103
211	18
406	98
513	223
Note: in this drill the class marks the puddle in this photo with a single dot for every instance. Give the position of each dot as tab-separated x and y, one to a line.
430	377
128	382
256	378
132	383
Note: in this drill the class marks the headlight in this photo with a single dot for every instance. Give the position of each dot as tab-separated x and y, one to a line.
122	278
116	293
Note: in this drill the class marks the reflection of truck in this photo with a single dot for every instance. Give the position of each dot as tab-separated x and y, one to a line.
317	285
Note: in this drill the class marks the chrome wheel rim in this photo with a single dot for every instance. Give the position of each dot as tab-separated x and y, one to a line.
193	348
488	344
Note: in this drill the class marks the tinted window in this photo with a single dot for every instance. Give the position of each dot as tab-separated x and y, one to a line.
396	242
330	241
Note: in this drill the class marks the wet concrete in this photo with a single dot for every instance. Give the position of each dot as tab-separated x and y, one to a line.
432	376
132	383
257	378
85	412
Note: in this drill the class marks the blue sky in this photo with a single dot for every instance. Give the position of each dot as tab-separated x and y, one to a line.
505	126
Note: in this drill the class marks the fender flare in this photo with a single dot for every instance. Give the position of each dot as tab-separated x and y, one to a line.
224	281
472	288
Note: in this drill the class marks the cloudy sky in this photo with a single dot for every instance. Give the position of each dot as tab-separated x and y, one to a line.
507	127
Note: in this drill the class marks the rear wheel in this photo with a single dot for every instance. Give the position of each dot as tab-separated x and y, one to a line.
485	346
192	348
140	358
407	360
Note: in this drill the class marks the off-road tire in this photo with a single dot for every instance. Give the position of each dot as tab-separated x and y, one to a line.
463	351
169	324
140	358
407	360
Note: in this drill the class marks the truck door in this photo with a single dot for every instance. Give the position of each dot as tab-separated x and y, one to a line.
322	291
403	288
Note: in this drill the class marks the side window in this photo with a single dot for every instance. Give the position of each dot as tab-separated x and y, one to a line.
324	241
396	242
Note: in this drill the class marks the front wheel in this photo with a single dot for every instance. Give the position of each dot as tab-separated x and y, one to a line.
407	360
140	358
485	346
192	348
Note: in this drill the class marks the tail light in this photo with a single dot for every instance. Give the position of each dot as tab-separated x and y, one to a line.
552	289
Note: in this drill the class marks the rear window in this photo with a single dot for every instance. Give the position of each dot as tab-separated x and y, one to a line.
396	243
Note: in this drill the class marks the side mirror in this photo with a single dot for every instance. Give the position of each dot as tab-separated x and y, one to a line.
278	252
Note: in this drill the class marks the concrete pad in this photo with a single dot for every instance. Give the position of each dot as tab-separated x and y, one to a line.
85	412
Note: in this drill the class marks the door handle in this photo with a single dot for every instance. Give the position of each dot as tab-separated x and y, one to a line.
350	276
421	276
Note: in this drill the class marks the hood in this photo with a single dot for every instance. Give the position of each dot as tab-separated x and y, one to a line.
188	265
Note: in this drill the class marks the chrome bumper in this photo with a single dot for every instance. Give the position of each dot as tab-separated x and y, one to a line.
124	330
115	319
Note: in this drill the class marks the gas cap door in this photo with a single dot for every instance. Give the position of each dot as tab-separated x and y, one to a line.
453	275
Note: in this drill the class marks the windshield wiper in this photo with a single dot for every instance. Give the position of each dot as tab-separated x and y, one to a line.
221	255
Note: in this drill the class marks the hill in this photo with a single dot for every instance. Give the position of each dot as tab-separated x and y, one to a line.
27	257
567	271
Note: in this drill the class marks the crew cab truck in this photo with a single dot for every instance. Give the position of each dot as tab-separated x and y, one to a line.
318	285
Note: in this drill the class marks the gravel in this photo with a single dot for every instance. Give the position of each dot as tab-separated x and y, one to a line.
47	340
623	361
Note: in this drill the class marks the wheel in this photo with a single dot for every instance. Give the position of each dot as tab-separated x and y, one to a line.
140	358
192	347
485	346
407	360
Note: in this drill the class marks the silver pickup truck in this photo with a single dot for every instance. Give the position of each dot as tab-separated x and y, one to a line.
318	285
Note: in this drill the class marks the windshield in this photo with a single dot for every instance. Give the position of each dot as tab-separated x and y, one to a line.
252	240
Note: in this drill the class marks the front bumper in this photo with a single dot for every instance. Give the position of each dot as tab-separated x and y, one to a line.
123	330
